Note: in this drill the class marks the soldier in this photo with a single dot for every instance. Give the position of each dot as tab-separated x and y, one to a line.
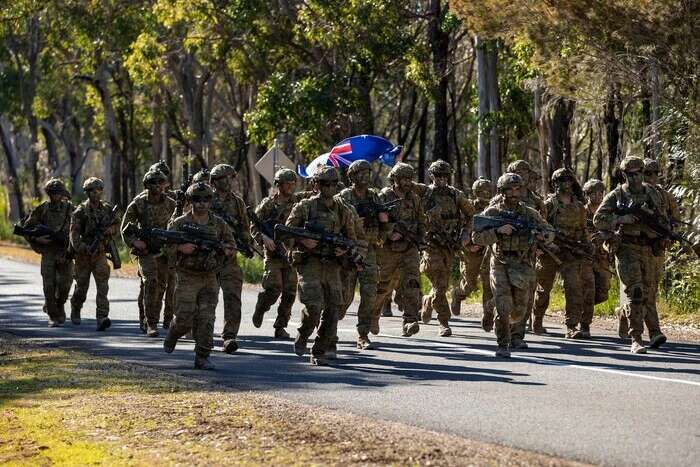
399	259
512	258
474	262
86	220
279	278
230	207
594	190
567	214
671	211
150	209
632	244
197	291
373	225
56	260
318	266
169	308
447	211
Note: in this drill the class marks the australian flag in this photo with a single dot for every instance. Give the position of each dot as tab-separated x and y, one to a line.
355	148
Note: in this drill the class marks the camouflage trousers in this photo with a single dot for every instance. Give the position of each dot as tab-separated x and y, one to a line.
651	315
169	308
399	271
474	266
436	263
97	266
153	271
602	280
196	297
512	284
575	274
57	277
321	293
637	271
367	279
280	278
231	283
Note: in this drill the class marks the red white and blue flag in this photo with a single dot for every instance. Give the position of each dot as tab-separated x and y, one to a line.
361	147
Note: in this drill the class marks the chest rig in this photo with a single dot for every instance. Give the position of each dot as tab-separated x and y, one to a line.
444	220
326	218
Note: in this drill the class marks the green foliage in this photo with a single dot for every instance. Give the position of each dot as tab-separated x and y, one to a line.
253	269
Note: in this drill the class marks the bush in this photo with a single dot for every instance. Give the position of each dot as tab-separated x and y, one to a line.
252	268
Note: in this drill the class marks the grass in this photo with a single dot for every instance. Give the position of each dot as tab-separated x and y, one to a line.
66	407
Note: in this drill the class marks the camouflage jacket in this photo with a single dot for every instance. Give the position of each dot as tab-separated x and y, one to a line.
605	218
145	213
202	261
408	216
85	220
272	210
370	229
56	217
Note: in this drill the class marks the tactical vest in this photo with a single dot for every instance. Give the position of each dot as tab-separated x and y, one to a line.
649	198
327	218
570	219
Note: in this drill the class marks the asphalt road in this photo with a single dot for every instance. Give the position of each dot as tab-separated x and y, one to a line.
589	400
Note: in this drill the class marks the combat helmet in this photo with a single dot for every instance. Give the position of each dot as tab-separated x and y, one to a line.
632	163
200	189
162	167
561	174
519	166
201	176
509	180
285	175
593	185
401	170
93	183
357	167
326	173
154	176
440	167
482	183
55	185
221	170
651	165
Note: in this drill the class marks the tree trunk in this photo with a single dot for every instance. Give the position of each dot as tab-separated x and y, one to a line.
494	107
422	147
589	154
655	115
16	211
612	134
483	156
439	45
540	121
560	134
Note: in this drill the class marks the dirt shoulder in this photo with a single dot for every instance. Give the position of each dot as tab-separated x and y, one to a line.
68	407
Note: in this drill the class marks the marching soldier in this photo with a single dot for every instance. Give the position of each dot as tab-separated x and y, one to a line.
632	244
318	266
399	260
279	278
92	226
512	257
56	260
197	291
150	209
567	214
373	225
231	208
447	211
474	262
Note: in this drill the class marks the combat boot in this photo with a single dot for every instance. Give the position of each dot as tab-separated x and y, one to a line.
166	324
151	331
363	343
427	312
374	325
456	304
445	331
230	346
300	345
103	324
410	329
638	345
502	352
75	317
537	327
657	340
61	313
330	354
573	333
258	316
518	344
143	327
319	360
386	311
623	326
585	331
487	322
281	333
203	363
54	323
169	343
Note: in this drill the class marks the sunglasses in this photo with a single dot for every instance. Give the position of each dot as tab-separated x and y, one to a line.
201	199
651	172
633	174
327	183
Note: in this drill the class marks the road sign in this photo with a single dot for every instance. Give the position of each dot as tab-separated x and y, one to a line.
271	162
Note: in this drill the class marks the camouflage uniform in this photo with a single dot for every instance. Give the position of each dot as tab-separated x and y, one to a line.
570	222
399	260
85	219
144	212
197	289
635	261
279	278
474	265
320	286
56	262
512	258
447	211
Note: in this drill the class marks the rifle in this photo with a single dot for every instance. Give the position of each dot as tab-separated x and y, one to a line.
481	223
60	238
368	208
246	248
267	229
409	235
318	233
190	233
99	234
